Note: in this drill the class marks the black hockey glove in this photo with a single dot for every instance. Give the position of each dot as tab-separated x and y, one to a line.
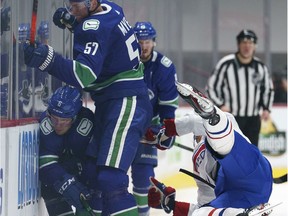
73	191
39	56
62	18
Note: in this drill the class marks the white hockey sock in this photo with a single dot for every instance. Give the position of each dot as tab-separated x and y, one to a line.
216	212
221	135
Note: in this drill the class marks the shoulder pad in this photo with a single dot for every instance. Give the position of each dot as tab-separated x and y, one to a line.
46	126
84	127
166	61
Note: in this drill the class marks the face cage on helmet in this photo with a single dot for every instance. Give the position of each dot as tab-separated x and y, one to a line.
70	120
68	5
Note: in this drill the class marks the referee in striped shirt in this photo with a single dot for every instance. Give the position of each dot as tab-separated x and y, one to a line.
241	84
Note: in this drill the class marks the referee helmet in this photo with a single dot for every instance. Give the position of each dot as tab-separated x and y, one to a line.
246	34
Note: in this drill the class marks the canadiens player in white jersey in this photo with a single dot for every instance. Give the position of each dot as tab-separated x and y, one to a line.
240	175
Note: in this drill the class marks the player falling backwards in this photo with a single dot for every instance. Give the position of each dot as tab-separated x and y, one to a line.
242	176
106	62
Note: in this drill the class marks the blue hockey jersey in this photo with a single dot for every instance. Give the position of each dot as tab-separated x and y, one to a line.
160	76
106	56
61	154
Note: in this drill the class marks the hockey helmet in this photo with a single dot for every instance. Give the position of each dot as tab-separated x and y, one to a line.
246	34
87	2
66	102
144	31
23	31
43	30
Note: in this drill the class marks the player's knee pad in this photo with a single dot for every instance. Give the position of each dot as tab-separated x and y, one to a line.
111	179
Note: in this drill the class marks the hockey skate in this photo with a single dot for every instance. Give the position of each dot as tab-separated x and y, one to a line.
201	104
260	210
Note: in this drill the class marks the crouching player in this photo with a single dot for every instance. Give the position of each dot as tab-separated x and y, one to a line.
240	175
65	131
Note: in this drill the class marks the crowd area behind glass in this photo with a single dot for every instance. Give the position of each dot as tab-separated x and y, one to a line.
25	91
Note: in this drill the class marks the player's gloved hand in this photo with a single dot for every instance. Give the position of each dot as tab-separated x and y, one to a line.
170	127
39	56
156	135
62	18
73	191
160	196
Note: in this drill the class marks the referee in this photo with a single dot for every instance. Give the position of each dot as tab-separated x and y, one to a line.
241	84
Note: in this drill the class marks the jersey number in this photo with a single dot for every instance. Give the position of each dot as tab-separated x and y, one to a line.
91	48
132	53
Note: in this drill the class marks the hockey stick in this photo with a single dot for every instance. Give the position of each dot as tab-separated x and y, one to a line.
33	22
281	179
183	147
197	177
86	205
278	180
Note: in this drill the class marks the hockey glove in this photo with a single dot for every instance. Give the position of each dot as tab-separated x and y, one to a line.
155	135
62	18
161	196
73	191
170	127
40	56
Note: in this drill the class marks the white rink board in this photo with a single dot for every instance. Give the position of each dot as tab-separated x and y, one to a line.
19	164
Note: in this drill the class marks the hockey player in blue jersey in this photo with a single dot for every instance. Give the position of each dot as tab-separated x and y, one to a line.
160	76
66	129
240	177
106	63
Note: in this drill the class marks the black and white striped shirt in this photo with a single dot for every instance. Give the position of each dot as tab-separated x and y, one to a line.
244	88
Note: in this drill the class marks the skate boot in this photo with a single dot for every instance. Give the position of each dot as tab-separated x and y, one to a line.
201	104
260	210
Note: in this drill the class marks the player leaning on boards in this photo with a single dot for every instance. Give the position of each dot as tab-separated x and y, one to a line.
241	84
242	176
160	76
65	131
106	63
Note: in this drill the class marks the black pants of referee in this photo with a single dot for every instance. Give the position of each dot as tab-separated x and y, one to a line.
250	127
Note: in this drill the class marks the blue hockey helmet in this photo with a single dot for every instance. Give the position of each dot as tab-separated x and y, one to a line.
23	31
43	30
246	34
66	102
87	2
144	31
